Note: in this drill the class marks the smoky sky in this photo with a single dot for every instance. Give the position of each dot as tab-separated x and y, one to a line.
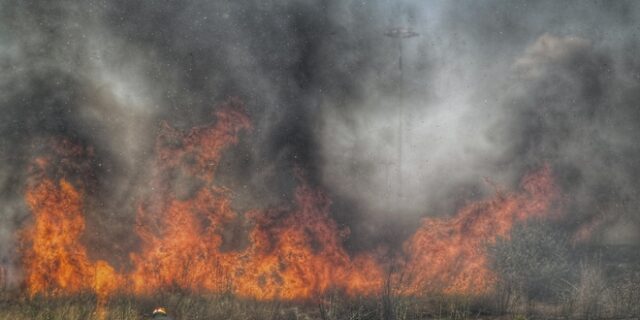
488	91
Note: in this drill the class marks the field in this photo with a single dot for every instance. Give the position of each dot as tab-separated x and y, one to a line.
186	306
593	299
599	283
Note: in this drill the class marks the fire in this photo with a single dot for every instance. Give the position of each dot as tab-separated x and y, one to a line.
181	237
300	255
293	252
448	254
56	262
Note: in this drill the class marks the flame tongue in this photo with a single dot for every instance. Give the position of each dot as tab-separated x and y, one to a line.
293	253
448	255
184	249
301	256
56	262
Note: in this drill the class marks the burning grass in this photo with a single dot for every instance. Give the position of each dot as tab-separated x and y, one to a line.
294	266
610	301
294	251
193	307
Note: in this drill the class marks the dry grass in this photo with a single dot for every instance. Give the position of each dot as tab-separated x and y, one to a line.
188	306
610	302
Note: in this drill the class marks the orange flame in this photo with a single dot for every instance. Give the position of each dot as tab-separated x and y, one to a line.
293	252
181	237
56	262
291	255
448	254
300	255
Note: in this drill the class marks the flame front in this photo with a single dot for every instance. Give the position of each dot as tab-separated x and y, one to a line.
449	254
55	261
300	256
294	252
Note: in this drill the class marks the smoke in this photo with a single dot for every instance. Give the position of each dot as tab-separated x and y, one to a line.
492	90
487	91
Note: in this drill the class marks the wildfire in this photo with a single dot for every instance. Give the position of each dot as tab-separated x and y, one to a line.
181	237
301	256
56	262
448	254
294	252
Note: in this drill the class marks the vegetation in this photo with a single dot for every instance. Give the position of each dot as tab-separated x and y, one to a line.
187	306
591	298
540	275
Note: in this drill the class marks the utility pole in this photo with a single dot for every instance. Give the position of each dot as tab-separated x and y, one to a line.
401	34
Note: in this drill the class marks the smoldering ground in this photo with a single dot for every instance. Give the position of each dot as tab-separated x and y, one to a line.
487	91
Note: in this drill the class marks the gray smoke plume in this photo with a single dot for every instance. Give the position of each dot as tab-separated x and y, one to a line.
487	91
